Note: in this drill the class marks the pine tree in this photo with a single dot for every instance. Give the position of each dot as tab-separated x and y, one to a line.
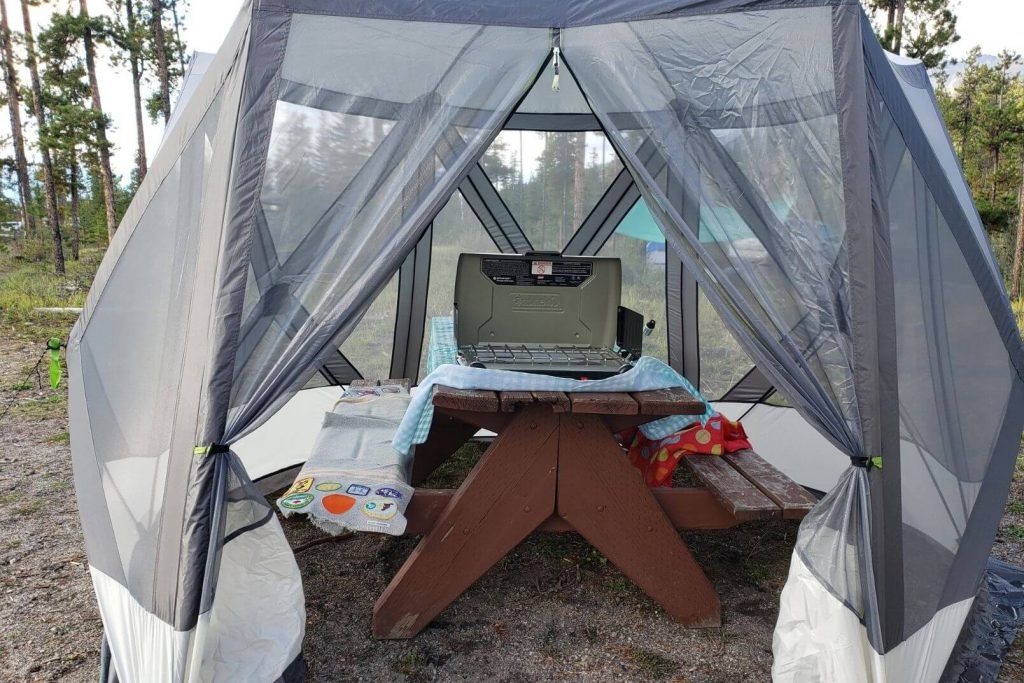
89	28
129	37
997	117
177	16
72	123
49	181
1018	251
17	133
922	29
162	105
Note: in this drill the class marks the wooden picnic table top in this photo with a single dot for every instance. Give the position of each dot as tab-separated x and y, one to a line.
659	402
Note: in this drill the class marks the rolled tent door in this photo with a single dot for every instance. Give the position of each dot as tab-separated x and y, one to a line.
131	382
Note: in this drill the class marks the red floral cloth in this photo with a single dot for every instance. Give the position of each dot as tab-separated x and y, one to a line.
657	459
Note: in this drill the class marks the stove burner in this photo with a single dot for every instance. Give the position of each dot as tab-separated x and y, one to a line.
528	354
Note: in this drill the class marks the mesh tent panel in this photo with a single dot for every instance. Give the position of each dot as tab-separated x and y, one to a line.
132	358
404	161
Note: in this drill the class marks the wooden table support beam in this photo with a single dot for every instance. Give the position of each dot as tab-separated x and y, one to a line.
507	495
603	496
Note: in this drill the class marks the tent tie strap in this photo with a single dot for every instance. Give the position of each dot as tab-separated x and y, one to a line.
212	449
867	462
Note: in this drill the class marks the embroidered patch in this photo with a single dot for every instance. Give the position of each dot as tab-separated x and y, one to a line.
328	486
338	504
301	486
380	509
358	490
296	501
388	492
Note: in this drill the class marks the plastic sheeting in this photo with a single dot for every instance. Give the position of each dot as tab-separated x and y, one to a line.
995	618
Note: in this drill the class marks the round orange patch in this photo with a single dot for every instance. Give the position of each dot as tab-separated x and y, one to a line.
338	504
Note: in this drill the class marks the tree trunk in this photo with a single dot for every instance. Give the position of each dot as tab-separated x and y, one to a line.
141	163
890	23
28	220
579	180
177	36
49	184
1018	251
106	175
163	70
994	190
76	220
897	39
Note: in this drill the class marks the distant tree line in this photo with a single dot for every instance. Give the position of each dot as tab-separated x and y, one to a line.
984	112
49	77
982	103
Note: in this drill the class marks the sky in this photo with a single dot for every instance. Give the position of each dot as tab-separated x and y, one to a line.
993	24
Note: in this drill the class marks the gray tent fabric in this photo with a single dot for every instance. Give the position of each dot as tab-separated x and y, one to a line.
801	177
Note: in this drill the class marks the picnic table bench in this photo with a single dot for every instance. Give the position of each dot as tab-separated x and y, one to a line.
555	466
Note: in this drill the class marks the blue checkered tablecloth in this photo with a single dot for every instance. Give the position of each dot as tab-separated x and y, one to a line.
441	348
649	373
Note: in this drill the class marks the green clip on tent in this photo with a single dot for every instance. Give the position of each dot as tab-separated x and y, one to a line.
807	193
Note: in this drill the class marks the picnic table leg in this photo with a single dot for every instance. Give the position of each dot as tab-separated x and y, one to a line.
507	495
605	499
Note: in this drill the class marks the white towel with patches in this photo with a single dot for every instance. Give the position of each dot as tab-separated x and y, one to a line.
354	480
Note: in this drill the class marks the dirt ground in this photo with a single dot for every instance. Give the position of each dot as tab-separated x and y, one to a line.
554	609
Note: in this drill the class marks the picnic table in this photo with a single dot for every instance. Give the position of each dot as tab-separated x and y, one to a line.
555	465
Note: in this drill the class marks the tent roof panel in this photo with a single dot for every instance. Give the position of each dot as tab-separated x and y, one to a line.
535	13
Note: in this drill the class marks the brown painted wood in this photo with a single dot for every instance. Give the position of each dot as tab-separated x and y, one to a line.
618	423
676	401
514	400
446	436
605	499
558	400
508	493
465	399
603	403
494	421
737	495
794	500
686	508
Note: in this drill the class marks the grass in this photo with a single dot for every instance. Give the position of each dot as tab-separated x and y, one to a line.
454	470
29	507
39	408
411	665
26	285
652	665
11	498
1015	531
59	437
